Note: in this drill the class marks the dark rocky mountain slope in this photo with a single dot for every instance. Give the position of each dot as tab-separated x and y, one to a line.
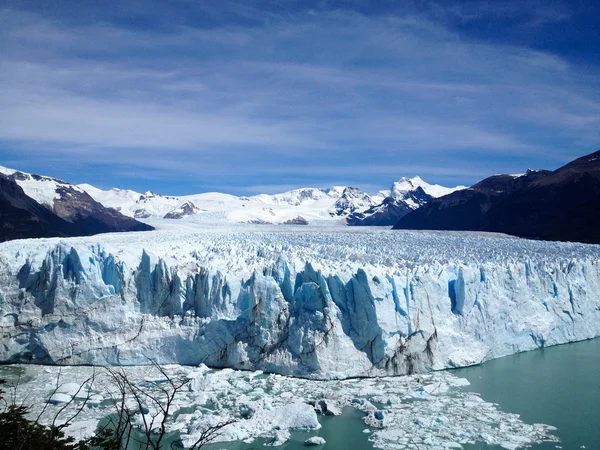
73	213
562	205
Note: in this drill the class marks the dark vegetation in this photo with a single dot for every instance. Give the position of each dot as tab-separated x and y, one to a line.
153	403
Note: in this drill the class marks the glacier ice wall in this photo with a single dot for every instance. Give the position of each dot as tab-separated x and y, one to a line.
316	304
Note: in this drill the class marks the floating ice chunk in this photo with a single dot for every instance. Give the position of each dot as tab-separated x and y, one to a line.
71	389
95	400
83	429
59	397
420	421
247	410
315	440
280	438
434	388
295	416
329	407
458	382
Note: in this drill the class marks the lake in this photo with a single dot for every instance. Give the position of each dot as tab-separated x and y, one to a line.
558	385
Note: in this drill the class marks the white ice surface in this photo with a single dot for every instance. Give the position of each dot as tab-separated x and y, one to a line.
316	303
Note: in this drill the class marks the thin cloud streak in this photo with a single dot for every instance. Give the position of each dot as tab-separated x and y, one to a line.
316	88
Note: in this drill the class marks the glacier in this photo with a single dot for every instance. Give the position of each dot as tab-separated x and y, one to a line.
310	302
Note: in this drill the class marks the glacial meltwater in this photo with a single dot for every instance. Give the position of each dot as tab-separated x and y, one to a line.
343	432
558	385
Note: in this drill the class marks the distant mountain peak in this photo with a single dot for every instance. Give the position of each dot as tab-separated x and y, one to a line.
314	205
405	185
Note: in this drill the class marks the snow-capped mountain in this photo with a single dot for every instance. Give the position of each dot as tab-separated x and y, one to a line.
352	200
39	206
335	205
405	196
183	210
338	205
407	190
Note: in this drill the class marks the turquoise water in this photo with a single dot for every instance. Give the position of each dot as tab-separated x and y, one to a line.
558	386
340	433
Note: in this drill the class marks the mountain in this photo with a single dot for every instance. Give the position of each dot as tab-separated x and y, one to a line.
183	210
406	195
22	217
338	204
352	200
38	206
309	203
561	205
96	210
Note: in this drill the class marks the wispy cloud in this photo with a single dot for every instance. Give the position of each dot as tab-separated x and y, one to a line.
287	95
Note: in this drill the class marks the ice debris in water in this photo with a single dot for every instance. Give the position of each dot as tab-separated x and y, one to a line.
421	411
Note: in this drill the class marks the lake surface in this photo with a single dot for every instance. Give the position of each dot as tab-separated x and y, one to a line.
558	386
343	432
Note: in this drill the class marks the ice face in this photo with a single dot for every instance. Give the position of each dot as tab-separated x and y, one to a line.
306	302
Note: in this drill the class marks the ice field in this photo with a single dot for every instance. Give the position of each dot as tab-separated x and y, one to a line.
309	302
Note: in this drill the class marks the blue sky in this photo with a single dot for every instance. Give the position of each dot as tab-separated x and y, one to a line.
264	96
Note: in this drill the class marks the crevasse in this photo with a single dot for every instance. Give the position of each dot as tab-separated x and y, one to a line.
283	309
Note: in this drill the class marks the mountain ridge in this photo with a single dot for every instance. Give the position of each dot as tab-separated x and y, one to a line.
33	206
562	205
337	204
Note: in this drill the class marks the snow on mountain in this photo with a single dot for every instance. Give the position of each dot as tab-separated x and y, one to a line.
73	211
44	190
312	204
352	200
313	302
183	210
401	189
406	195
116	198
317	206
